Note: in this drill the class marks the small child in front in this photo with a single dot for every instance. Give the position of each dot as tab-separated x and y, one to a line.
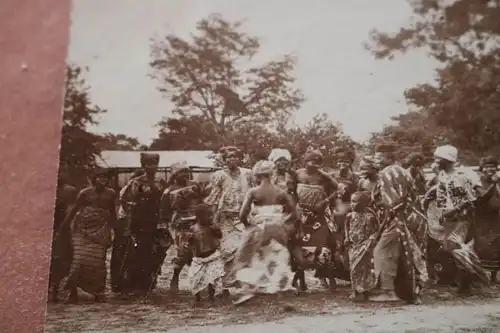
207	267
361	227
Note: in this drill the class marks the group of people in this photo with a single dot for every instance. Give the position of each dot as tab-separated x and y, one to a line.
385	228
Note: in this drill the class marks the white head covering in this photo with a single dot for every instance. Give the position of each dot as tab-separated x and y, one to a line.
276	154
263	168
447	152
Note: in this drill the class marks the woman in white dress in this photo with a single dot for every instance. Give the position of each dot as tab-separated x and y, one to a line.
262	263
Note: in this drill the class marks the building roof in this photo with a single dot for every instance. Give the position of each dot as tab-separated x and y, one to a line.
131	159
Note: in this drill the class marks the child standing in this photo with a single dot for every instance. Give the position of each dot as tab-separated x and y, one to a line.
207	268
361	227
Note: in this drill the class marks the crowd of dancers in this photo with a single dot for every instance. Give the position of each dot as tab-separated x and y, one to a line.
385	229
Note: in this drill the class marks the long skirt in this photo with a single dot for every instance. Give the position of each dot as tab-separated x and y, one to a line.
455	239
206	271
118	253
232	235
143	262
180	239
60	263
88	267
487	240
362	266
318	244
399	261
263	261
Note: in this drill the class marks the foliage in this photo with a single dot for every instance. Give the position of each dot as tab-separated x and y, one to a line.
414	132
110	141
208	79
257	140
79	148
464	36
185	133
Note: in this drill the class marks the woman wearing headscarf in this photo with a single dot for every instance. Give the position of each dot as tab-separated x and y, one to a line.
368	174
94	215
399	263
282	176
228	188
338	210
270	214
456	196
145	252
177	213
487	226
315	191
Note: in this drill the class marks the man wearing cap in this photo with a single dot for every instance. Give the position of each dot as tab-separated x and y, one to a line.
141	203
177	214
456	194
385	155
120	241
315	191
228	188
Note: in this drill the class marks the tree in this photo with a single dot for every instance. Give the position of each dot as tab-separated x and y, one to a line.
79	148
110	141
464	37
413	132
185	133
320	133
209	77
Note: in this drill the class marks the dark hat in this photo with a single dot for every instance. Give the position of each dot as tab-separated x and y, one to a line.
415	158
386	147
489	160
150	158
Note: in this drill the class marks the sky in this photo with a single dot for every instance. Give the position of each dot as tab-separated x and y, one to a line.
335	72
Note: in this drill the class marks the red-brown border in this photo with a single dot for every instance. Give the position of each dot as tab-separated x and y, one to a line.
33	49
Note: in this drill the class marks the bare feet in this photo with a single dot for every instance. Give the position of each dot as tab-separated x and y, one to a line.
358	297
386	296
332	284
418	301
324	283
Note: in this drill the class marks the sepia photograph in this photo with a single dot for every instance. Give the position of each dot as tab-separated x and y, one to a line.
293	166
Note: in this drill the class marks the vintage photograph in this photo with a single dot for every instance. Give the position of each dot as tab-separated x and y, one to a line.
292	166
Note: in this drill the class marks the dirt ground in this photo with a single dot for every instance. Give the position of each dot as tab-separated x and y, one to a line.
314	311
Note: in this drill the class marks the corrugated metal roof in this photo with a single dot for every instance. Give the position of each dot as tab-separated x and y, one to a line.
131	159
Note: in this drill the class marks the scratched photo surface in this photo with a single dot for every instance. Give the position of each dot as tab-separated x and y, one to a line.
322	166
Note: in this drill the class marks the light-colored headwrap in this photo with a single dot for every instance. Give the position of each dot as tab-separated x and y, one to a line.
228	151
368	162
277	154
263	168
447	152
176	168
